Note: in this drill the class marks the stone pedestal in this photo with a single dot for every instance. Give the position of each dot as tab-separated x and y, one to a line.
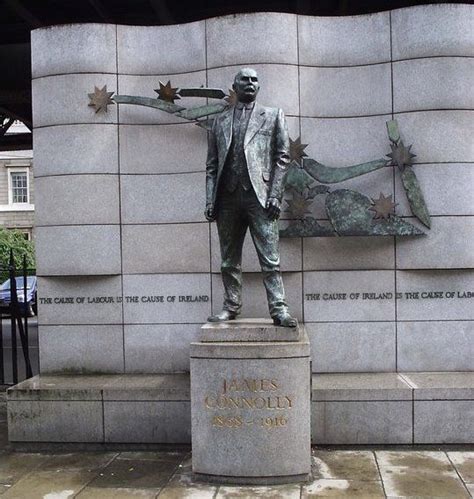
250	403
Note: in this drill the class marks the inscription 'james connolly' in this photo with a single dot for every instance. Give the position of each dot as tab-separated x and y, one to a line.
258	395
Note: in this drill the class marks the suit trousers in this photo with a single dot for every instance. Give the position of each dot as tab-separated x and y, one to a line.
236	211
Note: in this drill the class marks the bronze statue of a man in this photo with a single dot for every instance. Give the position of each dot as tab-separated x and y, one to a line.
248	155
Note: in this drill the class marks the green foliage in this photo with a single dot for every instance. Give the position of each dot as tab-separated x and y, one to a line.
15	240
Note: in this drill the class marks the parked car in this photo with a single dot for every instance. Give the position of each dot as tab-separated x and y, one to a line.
28	303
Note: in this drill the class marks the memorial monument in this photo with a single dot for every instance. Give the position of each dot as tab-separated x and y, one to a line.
376	232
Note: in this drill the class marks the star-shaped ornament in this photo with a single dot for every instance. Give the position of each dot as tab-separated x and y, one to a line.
100	99
401	155
167	92
231	99
297	151
298	206
383	207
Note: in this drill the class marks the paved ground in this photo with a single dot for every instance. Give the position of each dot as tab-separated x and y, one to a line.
167	475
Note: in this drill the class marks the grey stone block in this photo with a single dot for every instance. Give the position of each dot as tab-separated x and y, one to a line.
254	297
147	422
356	347
159	348
70	103
346	296
54	310
158	50
436	346
430	30
278	84
81	349
145	86
381	422
163	198
346	141
73	48
450	242
443	422
284	391
253	349
290	253
349	387
344	41
453	200
149	249
438	136
426	305
78	250
61	200
433	84
442	386
148	388
149	290
70	149
56	387
334	92
55	421
175	148
346	253
272	36
245	330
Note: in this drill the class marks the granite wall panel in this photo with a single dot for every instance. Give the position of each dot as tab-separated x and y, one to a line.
166	249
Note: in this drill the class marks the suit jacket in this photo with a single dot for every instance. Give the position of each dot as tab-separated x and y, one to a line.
266	148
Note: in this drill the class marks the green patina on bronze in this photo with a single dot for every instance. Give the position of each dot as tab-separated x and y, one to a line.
307	227
195	113
392	130
357	209
210	93
331	175
297	179
402	157
415	197
160	104
350	215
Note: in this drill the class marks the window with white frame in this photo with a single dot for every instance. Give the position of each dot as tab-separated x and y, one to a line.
18	192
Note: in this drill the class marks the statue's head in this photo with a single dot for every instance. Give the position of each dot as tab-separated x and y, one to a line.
246	85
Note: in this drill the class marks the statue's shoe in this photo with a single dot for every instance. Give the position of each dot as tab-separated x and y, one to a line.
285	320
225	315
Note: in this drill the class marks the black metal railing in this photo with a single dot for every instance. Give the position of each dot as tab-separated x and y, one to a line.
18	312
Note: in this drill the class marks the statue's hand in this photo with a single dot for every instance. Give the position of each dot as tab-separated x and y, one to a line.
274	208
210	213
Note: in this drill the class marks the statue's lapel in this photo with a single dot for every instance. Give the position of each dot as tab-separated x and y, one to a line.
226	126
256	120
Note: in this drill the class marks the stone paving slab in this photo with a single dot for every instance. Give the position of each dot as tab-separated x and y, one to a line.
410	472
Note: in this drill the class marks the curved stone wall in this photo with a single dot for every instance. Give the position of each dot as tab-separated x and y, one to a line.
120	196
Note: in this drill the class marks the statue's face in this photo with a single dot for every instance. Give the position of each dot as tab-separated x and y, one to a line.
246	85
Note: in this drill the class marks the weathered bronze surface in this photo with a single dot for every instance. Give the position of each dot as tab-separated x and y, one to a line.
302	170
350	215
383	207
195	113
297	150
415	196
402	157
167	92
100	99
168	107
248	156
210	93
331	175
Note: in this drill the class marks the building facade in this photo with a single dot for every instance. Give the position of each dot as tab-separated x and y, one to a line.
16	188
